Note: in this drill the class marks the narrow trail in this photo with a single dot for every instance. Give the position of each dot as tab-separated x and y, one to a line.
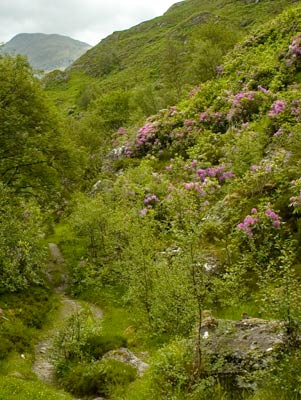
57	274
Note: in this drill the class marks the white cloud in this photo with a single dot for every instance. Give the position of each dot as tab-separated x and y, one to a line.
86	20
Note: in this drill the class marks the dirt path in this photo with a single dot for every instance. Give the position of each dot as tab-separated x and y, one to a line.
43	365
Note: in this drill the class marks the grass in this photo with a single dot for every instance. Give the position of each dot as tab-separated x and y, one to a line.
13	388
65	95
236	312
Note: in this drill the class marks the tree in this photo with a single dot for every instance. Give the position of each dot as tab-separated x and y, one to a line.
31	154
173	67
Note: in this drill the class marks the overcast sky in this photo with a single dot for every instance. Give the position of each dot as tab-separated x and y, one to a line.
86	20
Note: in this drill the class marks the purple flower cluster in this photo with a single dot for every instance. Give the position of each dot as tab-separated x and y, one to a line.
219	69
295	46
146	133
252	220
263	90
209	117
215	120
151	199
204	116
149	202
277	108
296	200
215	172
196	187
122	131
274	217
239	97
128	152
242	105
249	222
189	124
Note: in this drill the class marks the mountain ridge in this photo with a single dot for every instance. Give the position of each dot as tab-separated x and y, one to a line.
46	51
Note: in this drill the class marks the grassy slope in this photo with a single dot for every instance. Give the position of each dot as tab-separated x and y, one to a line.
133	58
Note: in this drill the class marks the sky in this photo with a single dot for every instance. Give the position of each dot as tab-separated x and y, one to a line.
85	20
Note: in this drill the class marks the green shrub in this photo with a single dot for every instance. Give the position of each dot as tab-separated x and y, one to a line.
22	313
15	333
6	346
98	378
97	345
30	306
171	371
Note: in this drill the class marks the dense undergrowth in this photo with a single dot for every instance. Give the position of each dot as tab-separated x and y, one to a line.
197	209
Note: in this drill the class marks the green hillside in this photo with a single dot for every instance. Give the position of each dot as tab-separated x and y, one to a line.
183	226
162	58
199	211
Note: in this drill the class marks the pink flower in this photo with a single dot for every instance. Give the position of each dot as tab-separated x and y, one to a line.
277	108
189	186
276	223
203	116
271	214
122	131
254	211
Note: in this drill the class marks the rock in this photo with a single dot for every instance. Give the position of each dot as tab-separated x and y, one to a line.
117	153
243	347
96	188
126	356
209	323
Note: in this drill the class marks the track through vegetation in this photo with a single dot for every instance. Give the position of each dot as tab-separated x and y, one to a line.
44	363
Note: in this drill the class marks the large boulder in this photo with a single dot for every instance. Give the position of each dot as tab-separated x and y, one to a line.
126	356
236	349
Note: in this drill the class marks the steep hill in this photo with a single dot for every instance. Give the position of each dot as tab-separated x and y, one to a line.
199	209
160	58
46	52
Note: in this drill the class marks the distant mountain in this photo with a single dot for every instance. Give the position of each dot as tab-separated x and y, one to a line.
46	52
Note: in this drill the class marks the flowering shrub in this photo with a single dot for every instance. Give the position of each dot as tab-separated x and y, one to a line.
244	104
259	218
215	172
248	223
196	186
295	46
151	199
295	201
146	134
294	52
215	120
277	108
